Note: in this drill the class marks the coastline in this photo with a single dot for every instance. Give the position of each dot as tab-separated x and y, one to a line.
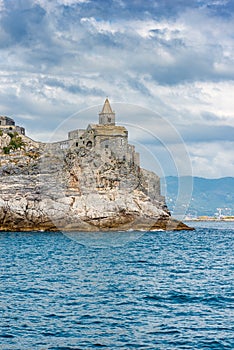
158	225
231	219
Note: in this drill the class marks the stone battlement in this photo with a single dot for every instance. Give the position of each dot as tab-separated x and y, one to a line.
8	125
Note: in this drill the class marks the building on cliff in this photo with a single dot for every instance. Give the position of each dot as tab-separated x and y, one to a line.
8	125
90	182
106	138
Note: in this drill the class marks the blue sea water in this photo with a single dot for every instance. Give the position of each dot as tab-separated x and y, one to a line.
157	290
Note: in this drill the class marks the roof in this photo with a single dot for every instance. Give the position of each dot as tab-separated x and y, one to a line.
4	117
106	109
108	130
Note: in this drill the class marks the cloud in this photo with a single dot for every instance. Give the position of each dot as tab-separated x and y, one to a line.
208	133
170	51
212	160
21	22
176	58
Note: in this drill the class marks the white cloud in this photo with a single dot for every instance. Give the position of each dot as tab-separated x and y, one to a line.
102	26
190	101
56	62
1	5
45	3
212	160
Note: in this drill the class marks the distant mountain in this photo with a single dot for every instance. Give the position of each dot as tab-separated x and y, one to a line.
207	195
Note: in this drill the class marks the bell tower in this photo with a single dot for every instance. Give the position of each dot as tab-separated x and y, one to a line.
107	116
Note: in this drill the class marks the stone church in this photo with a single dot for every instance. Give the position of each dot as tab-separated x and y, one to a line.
105	137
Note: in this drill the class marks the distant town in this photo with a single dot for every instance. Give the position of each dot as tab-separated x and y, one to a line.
212	199
222	214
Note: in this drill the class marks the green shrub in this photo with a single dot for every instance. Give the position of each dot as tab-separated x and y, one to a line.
15	143
10	134
6	150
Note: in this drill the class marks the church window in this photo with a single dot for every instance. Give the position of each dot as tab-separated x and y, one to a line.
77	144
109	120
89	144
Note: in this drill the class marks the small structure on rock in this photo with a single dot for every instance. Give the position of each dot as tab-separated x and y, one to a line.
8	125
106	138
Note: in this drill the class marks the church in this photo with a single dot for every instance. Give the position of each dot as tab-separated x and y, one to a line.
106	137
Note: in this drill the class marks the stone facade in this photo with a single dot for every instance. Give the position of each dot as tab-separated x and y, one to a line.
8	125
105	138
6	121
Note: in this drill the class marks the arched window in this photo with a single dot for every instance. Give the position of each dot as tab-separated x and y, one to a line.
89	144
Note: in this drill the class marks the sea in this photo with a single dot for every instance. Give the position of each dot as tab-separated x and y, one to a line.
123	290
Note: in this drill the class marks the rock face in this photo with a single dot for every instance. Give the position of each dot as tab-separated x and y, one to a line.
68	190
49	187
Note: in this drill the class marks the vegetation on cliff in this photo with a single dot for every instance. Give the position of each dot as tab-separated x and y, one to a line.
15	143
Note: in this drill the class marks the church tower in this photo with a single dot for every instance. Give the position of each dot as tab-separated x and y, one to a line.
107	116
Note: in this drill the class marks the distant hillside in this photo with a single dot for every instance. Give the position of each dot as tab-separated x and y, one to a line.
207	195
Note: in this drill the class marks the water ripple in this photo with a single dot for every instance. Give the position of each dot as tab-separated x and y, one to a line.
163	290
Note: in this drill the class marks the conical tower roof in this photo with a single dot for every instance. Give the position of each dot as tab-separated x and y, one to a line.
107	116
106	109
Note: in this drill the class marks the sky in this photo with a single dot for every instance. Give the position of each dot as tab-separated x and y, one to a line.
164	64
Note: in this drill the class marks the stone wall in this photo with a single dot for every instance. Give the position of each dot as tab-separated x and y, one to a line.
76	134
6	121
107	141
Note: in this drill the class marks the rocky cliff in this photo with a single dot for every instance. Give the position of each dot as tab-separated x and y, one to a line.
46	188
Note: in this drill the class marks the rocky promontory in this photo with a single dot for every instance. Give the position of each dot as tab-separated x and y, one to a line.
78	188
